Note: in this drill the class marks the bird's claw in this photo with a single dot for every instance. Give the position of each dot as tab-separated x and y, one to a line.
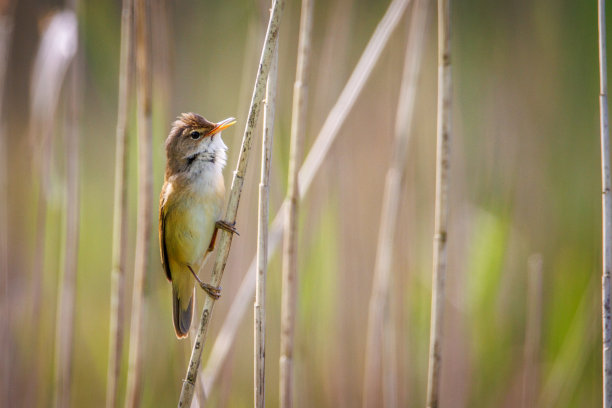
226	226
212	291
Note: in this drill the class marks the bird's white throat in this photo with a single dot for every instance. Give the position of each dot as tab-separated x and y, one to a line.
208	164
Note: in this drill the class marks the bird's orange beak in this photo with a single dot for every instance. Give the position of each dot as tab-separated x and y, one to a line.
224	124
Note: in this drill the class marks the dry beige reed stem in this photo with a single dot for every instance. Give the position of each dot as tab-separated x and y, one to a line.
67	284
310	168
120	213
6	31
57	48
67	289
225	239
290	260
606	204
379	319
145	198
262	238
441	205
55	53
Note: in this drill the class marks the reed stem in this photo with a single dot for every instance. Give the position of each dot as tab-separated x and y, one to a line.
64	327
67	290
262	237
120	213
606	185
225	239
309	169
145	198
441	205
379	317
290	261
6	31
55	55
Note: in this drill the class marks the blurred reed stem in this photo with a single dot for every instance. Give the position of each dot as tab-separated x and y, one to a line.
441	205
145	197
262	236
64	332
58	45
6	34
533	331
290	256
380	322
312	164
67	289
225	240
120	213
55	55
606	185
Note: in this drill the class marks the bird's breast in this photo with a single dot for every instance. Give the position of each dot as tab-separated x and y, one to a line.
192	211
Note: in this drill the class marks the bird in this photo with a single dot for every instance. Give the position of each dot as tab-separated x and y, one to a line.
190	208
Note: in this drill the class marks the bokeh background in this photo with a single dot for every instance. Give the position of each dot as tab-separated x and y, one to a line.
525	183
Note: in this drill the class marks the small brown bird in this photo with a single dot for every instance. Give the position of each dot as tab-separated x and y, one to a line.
190	208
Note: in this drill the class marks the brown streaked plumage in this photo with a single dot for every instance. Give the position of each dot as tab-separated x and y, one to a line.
190	207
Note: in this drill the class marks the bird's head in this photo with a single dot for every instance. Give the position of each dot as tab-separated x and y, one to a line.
194	141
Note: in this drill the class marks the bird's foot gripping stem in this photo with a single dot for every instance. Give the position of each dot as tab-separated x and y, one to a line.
212	291
226	226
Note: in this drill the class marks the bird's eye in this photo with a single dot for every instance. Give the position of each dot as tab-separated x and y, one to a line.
195	135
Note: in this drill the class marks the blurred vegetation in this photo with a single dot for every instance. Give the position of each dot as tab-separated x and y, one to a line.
525	179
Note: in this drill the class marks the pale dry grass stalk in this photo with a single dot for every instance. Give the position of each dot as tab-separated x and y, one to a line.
120	213
606	185
56	51
309	169
441	205
55	55
389	361
67	285
533	331
225	239
145	198
6	31
290	256
262	238
379	317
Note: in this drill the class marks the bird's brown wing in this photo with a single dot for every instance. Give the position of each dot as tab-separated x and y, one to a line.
162	236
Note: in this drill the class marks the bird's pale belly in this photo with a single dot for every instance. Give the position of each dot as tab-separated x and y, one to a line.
189	229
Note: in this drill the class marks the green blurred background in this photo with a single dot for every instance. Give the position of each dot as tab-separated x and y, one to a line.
525	180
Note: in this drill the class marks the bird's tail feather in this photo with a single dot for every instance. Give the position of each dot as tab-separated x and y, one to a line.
182	312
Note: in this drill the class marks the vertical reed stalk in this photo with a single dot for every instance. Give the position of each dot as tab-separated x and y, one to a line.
606	185
67	284
441	206
67	290
145	198
309	169
379	319
6	31
55	55
290	272
533	331
262	237
117	303
389	360
225	239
